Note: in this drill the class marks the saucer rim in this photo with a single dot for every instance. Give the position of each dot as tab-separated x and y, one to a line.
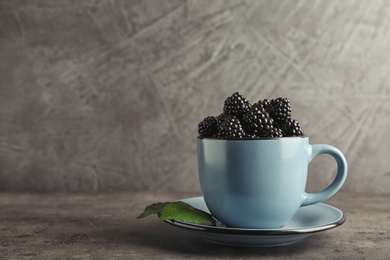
259	232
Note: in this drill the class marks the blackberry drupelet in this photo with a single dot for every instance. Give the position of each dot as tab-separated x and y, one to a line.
236	105
231	129
208	127
257	121
280	109
291	127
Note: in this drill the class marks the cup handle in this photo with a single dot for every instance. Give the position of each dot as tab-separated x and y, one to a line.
342	169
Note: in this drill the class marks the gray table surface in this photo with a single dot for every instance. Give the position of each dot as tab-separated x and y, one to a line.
104	226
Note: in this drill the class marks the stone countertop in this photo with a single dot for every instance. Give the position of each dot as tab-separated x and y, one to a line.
104	226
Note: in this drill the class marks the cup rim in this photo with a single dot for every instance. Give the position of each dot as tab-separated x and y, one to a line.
250	139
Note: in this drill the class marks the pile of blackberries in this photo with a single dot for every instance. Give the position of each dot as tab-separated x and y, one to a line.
242	120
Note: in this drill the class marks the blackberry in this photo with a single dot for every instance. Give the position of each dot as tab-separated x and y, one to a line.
208	127
273	132
236	105
241	120
280	109
257	121
250	136
231	129
221	118
265	103
291	127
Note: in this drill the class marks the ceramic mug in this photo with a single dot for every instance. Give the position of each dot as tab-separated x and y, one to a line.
261	183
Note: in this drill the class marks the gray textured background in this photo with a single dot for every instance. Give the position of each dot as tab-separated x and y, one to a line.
106	95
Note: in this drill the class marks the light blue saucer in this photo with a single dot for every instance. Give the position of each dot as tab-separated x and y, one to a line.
308	220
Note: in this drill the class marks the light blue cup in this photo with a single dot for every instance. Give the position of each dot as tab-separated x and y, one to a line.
261	183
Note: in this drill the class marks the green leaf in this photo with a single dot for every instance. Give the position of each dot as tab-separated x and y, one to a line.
179	211
182	211
153	209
